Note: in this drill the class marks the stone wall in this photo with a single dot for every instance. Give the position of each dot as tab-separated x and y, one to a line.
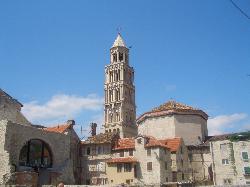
158	127
192	128
234	169
14	136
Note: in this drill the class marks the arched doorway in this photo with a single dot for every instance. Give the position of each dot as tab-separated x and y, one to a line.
35	153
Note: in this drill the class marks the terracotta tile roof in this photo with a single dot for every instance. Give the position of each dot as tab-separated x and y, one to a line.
169	108
125	143
106	137
58	128
122	160
172	144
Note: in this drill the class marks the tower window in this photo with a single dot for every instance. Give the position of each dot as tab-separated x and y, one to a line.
120	57
114	57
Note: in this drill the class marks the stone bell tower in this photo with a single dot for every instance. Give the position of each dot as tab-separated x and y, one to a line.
119	109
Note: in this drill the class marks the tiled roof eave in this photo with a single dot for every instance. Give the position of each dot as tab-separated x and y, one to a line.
171	112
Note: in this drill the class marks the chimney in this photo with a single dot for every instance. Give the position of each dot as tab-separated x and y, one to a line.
71	122
93	129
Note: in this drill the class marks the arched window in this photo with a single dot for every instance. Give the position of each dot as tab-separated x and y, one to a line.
114	57
35	153
120	57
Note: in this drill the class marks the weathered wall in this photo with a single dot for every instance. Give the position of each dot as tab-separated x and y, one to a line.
200	161
11	111
158	158
192	128
234	170
158	127
121	177
14	136
94	165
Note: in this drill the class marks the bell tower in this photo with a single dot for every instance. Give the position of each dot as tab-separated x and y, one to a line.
119	109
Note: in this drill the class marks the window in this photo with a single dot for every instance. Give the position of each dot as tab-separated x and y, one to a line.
227	181
114	57
182	176
244	155
190	156
247	170
127	167
181	150
149	166
88	151
149	152
99	150
166	165
119	168
128	181
122	154
181	163
139	141
130	152
166	179
225	161
135	171
120	57
35	153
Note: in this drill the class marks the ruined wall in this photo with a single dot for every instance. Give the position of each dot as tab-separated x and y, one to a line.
13	138
11	111
200	160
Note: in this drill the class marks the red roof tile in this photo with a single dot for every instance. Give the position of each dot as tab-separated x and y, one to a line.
122	160
58	128
125	143
172	144
169	108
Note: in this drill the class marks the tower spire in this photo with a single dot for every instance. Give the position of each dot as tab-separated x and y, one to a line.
119	42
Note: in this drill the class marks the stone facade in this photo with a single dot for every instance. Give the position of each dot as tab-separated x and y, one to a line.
119	109
10	109
231	164
13	138
200	164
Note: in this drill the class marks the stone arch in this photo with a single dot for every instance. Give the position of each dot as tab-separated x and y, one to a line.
36	153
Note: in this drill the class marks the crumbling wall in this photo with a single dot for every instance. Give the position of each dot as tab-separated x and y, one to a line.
13	138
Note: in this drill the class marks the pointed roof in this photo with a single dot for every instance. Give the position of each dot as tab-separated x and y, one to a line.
172	105
119	41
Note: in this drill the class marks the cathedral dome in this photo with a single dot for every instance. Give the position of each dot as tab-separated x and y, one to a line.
172	107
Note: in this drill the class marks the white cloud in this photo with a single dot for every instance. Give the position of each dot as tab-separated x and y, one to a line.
219	124
61	107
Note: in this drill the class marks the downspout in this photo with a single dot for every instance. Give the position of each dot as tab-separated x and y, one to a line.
213	165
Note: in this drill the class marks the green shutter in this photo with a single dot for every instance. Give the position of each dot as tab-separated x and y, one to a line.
247	170
245	155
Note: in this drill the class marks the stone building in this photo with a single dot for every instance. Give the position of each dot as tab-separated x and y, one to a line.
174	119
37	154
230	158
10	109
119	107
95	151
200	164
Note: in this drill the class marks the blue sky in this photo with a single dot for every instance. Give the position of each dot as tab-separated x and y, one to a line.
53	53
